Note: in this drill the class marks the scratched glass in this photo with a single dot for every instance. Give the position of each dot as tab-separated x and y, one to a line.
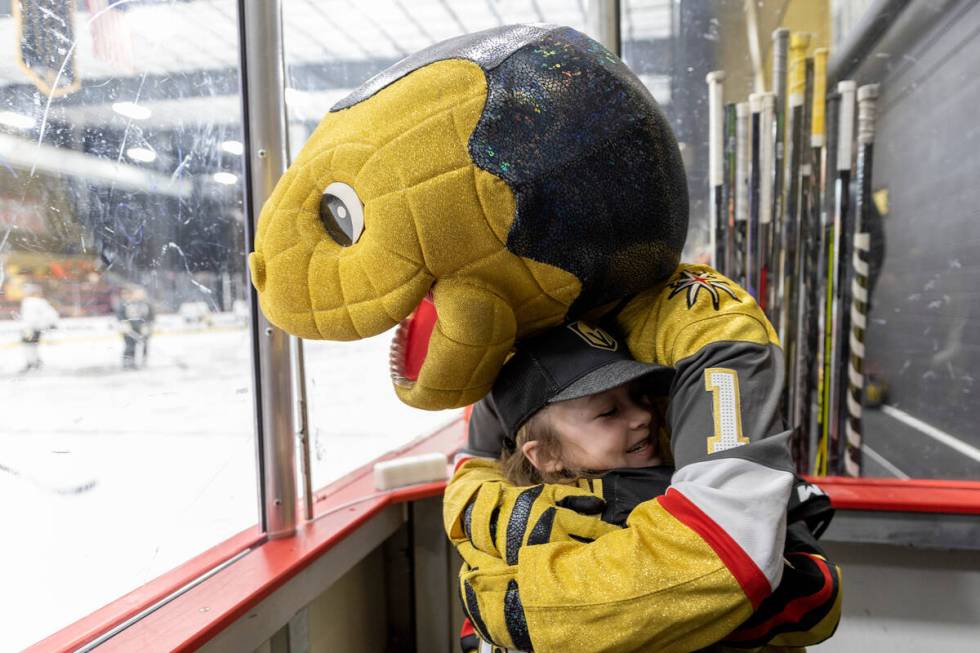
354	414
917	407
126	438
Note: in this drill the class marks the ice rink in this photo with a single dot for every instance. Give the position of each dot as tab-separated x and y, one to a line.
111	477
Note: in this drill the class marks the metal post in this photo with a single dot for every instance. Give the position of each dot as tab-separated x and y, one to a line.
604	24
303	430
264	127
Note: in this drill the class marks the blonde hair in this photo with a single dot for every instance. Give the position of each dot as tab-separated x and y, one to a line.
518	468
520	471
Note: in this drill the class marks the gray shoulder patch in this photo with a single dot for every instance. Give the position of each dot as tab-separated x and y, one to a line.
761	375
488	49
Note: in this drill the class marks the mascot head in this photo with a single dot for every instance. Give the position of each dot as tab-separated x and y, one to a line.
474	193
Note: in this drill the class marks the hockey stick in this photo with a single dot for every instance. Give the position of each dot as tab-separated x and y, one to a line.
729	185
839	318
715	145
767	120
742	145
791	229
799	314
810	313
755	179
867	98
780	45
824	294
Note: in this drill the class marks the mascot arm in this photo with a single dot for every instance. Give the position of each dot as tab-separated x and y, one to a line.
731	450
803	610
655	585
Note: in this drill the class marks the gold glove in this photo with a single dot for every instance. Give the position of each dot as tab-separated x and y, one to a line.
497	518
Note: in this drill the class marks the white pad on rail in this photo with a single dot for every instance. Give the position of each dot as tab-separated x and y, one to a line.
409	470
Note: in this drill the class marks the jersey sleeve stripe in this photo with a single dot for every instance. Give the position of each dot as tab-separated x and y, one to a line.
744	499
753	582
794	611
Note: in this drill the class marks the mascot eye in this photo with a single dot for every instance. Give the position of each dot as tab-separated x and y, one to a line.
342	213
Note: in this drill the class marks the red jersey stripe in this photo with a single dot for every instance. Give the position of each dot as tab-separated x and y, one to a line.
794	611
746	572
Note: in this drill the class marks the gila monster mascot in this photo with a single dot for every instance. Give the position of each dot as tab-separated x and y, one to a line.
503	182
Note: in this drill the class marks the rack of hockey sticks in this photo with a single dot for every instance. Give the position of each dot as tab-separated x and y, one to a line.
783	227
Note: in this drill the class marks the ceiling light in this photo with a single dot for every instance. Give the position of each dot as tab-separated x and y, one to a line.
225	178
132	110
233	147
16	120
141	154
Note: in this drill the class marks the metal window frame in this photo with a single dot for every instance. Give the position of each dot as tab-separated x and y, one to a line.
264	131
605	23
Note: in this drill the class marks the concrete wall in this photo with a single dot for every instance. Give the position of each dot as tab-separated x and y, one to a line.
350	615
899	600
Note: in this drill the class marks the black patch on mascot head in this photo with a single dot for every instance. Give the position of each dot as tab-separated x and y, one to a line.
593	164
487	49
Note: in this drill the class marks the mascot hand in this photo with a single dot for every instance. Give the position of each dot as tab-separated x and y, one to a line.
806	607
495	518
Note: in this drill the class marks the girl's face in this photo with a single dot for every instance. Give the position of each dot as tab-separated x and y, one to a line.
611	429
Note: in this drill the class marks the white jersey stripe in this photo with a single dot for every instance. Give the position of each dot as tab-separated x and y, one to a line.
747	500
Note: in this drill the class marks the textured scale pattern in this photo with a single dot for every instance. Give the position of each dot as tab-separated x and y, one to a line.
473	610
486	48
468	520
541	533
592	162
517	524
515	618
493	523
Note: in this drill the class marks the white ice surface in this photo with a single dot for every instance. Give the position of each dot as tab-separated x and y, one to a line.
167	454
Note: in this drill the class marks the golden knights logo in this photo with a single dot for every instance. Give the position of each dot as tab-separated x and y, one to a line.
595	336
695	282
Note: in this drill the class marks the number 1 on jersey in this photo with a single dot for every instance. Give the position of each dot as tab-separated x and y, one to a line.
727	411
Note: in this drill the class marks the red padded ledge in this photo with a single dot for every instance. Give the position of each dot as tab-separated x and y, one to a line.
104	619
891	495
190	620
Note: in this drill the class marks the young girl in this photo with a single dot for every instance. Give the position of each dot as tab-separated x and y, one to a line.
575	405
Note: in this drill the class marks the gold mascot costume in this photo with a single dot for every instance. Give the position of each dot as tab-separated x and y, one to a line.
503	182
